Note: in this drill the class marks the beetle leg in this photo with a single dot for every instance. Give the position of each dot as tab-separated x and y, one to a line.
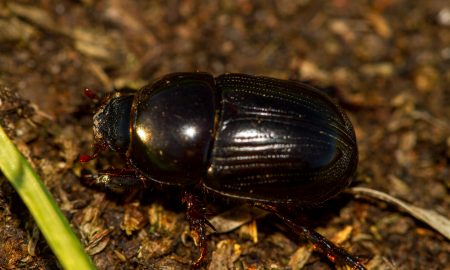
195	213
333	252
114	179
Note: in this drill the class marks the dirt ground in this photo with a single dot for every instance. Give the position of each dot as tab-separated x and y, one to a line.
390	60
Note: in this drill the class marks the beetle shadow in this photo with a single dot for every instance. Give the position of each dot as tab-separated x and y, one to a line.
167	197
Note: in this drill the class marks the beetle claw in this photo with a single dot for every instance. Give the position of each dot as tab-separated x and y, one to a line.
333	252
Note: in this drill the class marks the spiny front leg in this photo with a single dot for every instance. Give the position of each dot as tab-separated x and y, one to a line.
195	214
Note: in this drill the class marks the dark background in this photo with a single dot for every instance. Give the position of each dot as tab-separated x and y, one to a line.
390	59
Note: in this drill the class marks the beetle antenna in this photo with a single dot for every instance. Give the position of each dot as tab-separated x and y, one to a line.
97	149
86	158
91	94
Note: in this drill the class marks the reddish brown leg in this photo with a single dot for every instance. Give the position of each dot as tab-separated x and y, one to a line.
195	214
333	252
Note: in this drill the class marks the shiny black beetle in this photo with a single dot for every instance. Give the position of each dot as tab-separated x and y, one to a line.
277	144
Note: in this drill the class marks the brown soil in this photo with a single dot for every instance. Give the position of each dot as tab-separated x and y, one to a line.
390	60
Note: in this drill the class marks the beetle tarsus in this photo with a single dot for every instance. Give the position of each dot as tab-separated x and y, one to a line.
202	256
195	213
333	252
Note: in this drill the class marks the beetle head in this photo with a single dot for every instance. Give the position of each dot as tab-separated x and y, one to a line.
112	122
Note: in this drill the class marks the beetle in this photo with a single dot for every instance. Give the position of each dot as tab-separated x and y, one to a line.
276	144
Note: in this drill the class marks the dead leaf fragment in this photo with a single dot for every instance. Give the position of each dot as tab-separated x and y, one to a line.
430	217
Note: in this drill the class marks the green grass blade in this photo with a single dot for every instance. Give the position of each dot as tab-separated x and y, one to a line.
39	201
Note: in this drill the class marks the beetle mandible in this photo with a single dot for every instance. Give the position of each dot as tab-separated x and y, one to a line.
276	144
